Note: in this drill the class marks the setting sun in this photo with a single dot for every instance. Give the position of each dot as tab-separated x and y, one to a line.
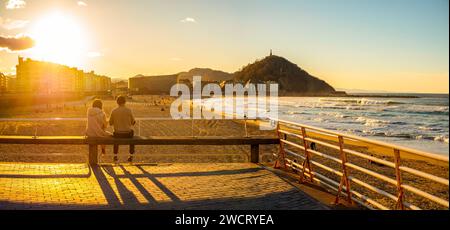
59	38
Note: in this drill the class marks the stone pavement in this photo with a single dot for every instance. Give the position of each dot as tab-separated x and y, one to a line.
145	186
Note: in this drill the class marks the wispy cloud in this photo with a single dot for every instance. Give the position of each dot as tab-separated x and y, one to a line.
11	24
16	43
81	3
188	19
175	59
15	4
94	54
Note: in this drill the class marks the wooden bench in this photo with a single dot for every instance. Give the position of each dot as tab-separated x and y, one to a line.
93	143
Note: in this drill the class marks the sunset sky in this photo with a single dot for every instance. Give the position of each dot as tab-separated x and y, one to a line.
398	45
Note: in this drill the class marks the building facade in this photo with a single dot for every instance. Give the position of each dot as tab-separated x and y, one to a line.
3	83
159	85
39	77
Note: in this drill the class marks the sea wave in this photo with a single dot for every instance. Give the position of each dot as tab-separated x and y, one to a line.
421	109
333	114
439	138
372	122
294	112
360	101
427	128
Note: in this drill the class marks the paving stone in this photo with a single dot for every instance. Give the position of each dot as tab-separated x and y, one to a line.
167	186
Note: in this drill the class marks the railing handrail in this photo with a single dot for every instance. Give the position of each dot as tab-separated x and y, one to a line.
292	129
85	119
340	137
354	137
433	156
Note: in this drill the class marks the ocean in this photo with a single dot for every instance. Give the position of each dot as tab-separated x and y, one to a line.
420	123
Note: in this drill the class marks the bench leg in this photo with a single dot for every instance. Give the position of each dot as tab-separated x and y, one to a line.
93	155
254	153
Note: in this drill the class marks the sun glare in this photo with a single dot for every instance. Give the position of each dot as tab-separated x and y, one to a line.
60	39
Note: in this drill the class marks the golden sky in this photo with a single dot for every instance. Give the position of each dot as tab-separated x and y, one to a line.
399	46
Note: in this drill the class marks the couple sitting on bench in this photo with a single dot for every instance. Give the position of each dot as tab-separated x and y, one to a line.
121	119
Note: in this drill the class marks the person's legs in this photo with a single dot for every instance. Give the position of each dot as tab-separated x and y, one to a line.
116	151
130	158
132	149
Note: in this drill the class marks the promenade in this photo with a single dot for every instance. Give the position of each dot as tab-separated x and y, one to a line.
214	186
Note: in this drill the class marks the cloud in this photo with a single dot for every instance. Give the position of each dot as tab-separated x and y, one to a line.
11	24
188	19
175	59
81	3
94	54
15	4
16	43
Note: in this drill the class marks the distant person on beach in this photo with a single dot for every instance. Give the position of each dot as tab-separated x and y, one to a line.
122	119
96	122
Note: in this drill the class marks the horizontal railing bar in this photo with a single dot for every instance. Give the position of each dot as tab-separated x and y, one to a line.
375	142
372	188
295	126
426	195
291	134
425	175
293	153
322	143
85	119
369	200
315	173
372	173
317	163
327	168
152	140
292	144
325	156
362	155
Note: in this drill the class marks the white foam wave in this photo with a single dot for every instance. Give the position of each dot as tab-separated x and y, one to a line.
359	101
332	114
371	122
441	138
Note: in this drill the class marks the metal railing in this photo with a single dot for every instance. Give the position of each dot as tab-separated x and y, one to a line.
340	143
301	138
138	126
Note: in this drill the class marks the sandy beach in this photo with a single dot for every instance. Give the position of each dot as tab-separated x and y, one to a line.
157	107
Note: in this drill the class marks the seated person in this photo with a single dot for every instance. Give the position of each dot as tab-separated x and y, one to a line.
122	119
96	122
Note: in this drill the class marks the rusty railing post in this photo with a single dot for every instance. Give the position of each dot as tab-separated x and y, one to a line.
344	179
306	162
398	175
281	153
245	126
